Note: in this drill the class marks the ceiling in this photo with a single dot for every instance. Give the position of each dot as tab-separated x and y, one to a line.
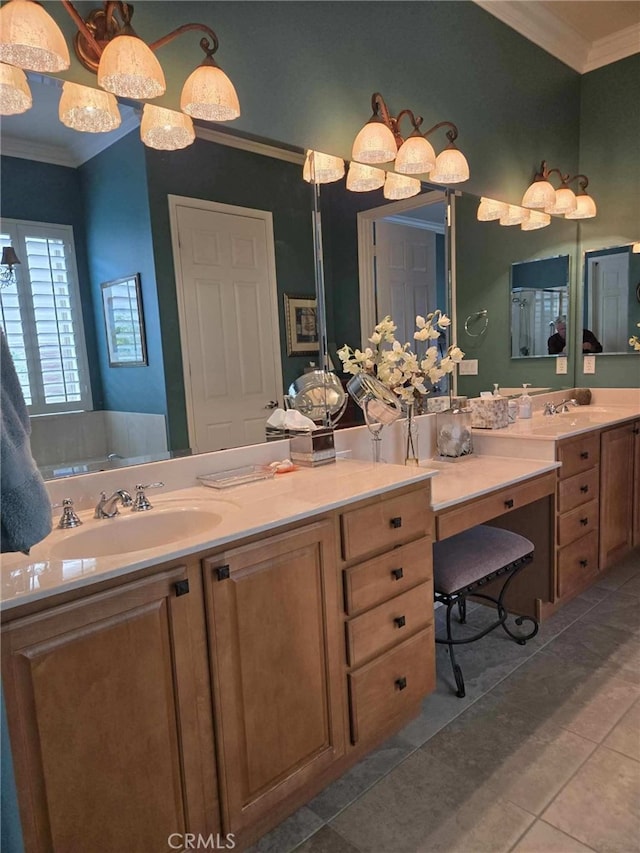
584	34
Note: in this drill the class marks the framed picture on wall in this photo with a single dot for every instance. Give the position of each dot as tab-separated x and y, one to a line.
124	322
301	317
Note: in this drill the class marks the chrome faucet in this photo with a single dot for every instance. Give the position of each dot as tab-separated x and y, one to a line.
564	405
108	507
549	409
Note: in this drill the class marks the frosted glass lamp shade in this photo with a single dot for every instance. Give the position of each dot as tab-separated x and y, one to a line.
585	208
208	94
515	215
400	186
15	95
415	156
322	168
539	196
489	209
166	130
89	110
451	167
565	202
537	219
30	38
129	68
374	144
362	179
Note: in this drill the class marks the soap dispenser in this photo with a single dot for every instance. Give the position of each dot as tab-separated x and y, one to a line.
524	403
496	389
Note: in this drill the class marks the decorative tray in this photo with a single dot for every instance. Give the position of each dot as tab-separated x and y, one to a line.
237	476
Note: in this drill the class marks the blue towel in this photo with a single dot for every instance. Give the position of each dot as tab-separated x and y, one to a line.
25	508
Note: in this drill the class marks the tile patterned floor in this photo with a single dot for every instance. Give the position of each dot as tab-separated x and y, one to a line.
542	755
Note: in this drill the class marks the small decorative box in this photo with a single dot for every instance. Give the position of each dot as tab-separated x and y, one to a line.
489	412
438	404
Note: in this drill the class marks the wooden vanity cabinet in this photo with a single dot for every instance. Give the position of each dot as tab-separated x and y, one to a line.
636	484
617	449
388	598
275	648
110	718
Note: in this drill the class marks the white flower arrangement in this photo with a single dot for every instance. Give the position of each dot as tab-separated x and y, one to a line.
396	366
635	341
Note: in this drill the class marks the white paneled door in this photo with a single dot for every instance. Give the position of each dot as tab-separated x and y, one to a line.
227	302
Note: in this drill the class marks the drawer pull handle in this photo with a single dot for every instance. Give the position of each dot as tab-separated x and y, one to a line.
181	587
396	522
636	430
584	489
222	573
401	683
584	454
509	503
584	563
397	574
400	621
584	521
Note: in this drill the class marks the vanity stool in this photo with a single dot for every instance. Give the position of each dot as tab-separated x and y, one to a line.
463	564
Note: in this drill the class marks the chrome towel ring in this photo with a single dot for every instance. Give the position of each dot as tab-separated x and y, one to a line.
472	318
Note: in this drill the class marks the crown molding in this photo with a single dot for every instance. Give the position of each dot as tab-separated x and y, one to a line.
43	153
536	23
252	145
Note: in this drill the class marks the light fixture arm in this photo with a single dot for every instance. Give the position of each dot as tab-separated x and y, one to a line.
381	113
583	181
452	133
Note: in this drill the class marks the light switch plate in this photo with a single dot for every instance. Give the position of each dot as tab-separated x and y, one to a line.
468	367
589	364
561	364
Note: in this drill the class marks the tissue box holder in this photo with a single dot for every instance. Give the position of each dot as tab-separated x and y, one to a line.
313	448
489	412
453	434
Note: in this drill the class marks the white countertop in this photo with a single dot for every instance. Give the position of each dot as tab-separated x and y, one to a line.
577	420
475	475
241	511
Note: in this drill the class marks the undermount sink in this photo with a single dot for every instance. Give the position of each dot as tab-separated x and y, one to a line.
136	531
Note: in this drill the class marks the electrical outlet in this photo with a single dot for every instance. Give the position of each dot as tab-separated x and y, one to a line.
589	364
561	364
468	367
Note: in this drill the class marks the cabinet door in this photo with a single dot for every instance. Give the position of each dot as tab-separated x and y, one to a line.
275	657
616	494
105	697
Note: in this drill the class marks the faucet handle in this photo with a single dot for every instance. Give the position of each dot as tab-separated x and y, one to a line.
141	502
549	409
68	518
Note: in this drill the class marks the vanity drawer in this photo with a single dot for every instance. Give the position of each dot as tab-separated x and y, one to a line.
453	521
385	523
580	521
578	490
579	454
576	563
391	685
389	623
367	584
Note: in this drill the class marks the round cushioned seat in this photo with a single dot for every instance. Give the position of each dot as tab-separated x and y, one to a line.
460	561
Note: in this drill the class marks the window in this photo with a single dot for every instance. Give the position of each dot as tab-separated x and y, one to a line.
42	318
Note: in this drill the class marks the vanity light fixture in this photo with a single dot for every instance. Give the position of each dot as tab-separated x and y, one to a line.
88	110
362	179
166	130
490	209
322	168
7	264
541	195
380	141
15	94
107	44
537	219
515	215
400	186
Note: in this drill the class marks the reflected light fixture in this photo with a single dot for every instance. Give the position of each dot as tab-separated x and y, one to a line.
7	264
15	95
107	44
490	209
541	195
362	179
515	215
537	219
380	141
166	130
400	186
88	110
322	168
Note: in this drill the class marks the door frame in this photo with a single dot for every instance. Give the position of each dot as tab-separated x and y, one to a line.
366	252
176	201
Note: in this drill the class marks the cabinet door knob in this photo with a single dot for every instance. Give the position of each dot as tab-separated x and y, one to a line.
584	454
397	574
584	521
181	587
396	522
400	621
401	683
509	503
222	573
584	563
584	489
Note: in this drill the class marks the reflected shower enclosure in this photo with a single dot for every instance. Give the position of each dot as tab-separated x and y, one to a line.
539	298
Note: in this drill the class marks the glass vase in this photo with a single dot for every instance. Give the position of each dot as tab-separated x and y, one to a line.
410	437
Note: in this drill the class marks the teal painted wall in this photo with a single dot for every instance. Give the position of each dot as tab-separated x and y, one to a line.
609	140
230	176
